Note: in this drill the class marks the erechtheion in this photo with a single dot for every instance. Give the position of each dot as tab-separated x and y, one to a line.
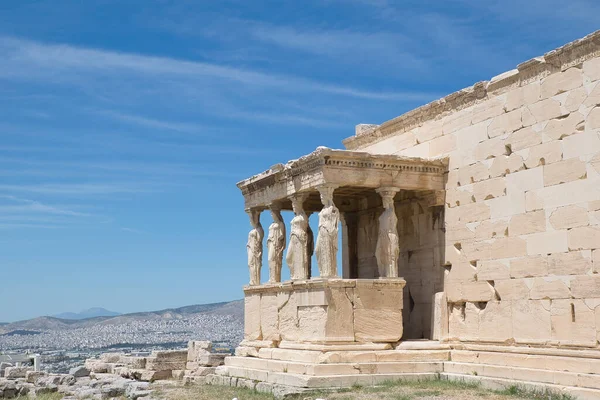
471	224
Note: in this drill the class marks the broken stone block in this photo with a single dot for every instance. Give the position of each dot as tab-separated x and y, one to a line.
110	357
178	374
15	372
134	362
197	348
79	372
33	376
151	376
97	366
211	360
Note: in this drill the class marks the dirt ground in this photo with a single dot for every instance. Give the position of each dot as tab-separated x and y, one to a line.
425	390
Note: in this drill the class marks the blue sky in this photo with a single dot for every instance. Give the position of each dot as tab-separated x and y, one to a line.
125	125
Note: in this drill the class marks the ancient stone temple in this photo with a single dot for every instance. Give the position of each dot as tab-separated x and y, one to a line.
469	237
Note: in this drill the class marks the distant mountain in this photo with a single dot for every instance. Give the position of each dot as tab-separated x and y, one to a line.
234	308
89	313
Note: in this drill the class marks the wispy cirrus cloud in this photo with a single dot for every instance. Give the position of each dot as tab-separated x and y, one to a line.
29	59
356	47
32	206
152	122
80	189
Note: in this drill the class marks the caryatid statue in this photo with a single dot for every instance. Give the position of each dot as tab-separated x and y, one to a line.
296	257
327	238
276	244
388	244
255	247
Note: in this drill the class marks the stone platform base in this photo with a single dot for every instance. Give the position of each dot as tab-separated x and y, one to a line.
285	370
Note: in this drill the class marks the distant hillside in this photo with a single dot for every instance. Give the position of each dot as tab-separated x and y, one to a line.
234	308
89	313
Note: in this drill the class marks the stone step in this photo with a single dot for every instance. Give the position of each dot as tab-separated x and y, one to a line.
325	381
547	351
329	357
333	369
334	347
501	384
422	345
538	361
590	381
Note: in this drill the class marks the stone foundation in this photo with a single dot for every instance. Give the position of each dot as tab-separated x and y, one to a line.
323	311
286	370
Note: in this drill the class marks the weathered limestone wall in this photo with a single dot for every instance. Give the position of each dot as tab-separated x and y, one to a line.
522	213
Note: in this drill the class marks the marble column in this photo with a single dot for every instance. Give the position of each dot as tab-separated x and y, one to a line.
254	246
327	238
388	246
276	244
310	246
296	257
345	248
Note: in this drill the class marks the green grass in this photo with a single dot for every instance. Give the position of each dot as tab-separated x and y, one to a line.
519	392
388	390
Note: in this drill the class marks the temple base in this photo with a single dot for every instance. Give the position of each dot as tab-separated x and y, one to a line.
286	370
324	311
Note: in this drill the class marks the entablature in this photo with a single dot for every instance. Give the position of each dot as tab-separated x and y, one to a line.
353	172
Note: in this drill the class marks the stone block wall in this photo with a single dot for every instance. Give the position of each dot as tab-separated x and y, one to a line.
522	214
